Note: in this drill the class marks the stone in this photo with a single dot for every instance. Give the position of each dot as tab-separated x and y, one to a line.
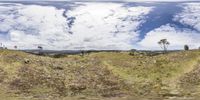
26	61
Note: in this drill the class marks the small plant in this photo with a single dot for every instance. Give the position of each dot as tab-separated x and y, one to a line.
82	53
2	75
59	56
186	47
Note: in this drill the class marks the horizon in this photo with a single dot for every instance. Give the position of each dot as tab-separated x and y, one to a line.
107	0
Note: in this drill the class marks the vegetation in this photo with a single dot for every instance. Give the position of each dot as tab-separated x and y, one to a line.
186	47
101	76
163	44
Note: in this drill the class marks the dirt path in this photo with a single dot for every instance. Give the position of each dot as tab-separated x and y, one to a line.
174	82
119	72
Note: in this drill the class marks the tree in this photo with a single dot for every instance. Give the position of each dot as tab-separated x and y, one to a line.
186	47
164	44
15	47
82	53
1	46
40	47
4	47
132	52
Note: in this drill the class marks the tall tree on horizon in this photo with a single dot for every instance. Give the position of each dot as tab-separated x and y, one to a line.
164	44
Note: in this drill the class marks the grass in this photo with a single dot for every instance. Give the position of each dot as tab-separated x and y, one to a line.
103	75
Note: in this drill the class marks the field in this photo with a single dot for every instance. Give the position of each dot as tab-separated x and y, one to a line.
100	76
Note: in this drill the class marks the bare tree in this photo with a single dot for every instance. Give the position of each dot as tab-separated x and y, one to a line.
40	48
4	47
1	46
164	44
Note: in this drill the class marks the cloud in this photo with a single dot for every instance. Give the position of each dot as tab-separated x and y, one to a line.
89	26
190	15
114	0
110	27
92	26
27	26
176	38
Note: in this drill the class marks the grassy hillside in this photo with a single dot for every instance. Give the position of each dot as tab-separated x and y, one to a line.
103	75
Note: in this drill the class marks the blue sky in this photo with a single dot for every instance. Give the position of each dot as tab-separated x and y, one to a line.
102	25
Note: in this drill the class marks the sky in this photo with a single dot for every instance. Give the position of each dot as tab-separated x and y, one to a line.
109	0
107	26
139	0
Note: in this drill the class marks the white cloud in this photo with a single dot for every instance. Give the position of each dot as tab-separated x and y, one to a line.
176	38
97	26
32	25
98	23
190	15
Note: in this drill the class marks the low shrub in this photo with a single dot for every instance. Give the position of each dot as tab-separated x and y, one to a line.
2	75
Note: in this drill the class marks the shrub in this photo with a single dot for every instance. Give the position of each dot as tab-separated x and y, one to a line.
2	75
58	55
186	47
133	52
27	78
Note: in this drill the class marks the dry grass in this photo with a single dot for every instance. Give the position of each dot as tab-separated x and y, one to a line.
97	75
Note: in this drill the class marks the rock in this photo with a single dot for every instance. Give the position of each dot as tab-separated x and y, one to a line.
154	61
175	92
26	61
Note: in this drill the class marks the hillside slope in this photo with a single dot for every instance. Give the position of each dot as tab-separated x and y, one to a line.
103	75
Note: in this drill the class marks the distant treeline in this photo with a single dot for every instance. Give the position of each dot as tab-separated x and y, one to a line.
85	52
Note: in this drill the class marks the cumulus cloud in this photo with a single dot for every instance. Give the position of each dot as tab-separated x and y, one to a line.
176	38
110	27
190	15
89	26
27	26
92	26
176	35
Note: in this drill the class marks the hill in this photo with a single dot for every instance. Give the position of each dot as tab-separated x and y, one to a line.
100	76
